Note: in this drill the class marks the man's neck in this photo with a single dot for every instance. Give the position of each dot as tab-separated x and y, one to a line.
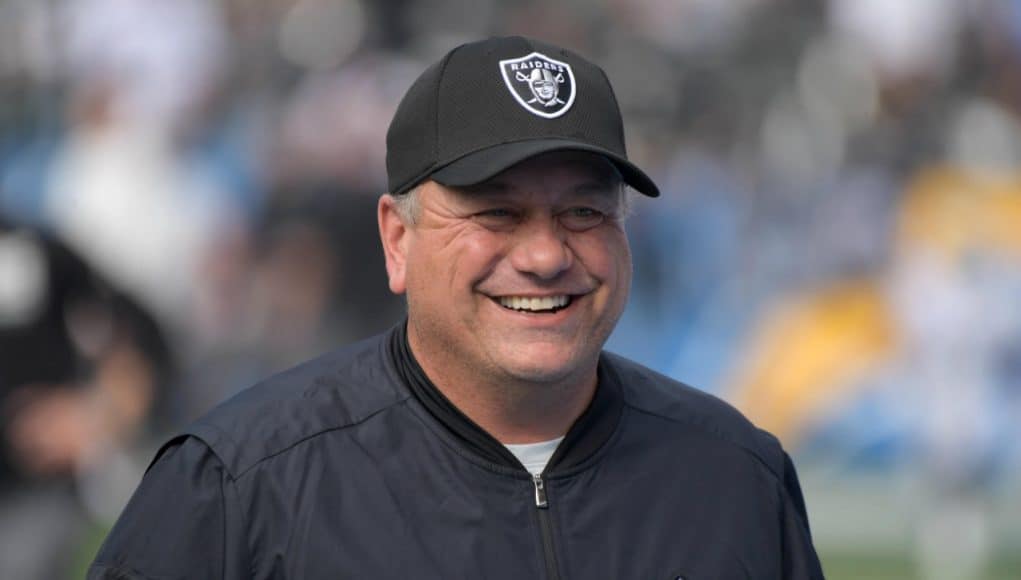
509	409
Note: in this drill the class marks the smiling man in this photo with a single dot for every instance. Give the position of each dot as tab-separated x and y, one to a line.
513	286
488	435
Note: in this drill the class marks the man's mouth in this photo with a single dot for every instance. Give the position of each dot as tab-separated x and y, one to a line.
544	304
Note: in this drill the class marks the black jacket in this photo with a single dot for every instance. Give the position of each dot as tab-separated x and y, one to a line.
353	466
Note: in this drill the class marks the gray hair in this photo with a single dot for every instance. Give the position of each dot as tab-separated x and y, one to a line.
407	205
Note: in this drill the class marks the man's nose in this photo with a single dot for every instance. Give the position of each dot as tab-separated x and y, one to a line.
541	249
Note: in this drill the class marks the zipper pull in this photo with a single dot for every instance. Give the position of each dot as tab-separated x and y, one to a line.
540	492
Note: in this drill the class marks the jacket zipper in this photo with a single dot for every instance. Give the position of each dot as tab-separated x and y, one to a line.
545	527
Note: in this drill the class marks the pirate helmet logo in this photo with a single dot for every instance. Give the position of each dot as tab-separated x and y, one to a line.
543	86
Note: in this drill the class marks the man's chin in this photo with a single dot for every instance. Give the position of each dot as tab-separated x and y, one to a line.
547	368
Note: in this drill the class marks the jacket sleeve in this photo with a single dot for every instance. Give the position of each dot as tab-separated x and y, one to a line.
184	521
800	562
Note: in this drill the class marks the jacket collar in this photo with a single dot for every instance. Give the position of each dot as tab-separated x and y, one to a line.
586	436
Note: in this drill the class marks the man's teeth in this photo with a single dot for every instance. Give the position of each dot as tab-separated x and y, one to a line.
534	304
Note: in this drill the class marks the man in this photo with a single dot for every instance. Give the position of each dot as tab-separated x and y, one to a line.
488	436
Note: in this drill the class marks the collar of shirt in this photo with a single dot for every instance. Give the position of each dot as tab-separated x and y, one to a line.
588	433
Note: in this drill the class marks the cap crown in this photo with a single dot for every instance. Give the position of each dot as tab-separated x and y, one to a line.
468	102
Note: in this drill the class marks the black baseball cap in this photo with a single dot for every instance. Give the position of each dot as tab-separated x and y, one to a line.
489	105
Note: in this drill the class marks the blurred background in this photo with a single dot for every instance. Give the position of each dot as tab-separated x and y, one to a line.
187	193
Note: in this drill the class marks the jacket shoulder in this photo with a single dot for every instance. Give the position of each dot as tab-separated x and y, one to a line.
650	392
337	390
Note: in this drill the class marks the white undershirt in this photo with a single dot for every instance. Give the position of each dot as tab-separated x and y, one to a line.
534	456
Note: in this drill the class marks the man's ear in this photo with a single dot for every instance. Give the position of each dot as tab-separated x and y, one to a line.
393	232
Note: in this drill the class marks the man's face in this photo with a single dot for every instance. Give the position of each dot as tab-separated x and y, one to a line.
520	278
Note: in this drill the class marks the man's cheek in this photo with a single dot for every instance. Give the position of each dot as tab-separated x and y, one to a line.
477	255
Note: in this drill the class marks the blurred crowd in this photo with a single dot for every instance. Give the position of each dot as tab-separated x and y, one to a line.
187	194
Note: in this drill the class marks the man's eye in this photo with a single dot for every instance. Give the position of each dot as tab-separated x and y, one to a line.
582	218
497	212
495	217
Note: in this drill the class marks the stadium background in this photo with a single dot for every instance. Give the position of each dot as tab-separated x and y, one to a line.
837	251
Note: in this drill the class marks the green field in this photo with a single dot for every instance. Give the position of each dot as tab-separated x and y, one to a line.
868	528
846	566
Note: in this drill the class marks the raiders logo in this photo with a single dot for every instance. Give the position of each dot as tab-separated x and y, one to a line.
541	85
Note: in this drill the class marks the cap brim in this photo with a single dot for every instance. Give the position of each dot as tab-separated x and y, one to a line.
481	165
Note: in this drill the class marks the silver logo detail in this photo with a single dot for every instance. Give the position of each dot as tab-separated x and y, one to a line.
543	86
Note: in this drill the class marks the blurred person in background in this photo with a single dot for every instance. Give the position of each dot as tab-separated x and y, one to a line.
959	246
906	356
83	370
121	188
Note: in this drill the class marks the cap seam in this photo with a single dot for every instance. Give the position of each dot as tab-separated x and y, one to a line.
436	108
439	165
620	116
532	138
